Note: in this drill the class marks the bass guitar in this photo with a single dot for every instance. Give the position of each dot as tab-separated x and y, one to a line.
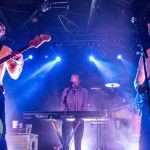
35	43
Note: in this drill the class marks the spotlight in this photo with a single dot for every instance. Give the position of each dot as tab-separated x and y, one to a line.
119	56
46	56
58	59
91	58
30	57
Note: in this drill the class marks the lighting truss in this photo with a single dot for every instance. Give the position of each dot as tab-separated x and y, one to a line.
57	6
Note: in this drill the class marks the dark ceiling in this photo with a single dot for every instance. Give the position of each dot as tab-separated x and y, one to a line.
67	20
77	16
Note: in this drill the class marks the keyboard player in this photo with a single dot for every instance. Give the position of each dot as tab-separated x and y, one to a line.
74	98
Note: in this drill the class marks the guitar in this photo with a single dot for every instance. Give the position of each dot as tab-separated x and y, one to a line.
35	43
141	96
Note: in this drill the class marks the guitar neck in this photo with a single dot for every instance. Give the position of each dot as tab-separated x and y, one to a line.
35	43
21	50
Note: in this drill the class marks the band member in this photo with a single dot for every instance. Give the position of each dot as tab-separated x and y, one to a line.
74	98
144	143
14	68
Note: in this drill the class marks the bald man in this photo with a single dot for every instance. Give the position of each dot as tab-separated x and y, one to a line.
74	98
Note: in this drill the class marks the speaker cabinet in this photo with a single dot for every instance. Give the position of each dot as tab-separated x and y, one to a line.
22	141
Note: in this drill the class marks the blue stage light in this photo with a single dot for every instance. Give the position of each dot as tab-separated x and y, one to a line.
46	56
91	58
30	57
58	59
119	56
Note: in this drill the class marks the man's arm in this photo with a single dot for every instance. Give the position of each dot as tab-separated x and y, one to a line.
140	76
14	66
85	102
64	100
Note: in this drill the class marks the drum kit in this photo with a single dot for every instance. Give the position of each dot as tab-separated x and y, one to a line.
108	96
120	123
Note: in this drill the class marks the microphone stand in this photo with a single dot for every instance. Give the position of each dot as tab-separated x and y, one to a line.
65	99
147	87
64	119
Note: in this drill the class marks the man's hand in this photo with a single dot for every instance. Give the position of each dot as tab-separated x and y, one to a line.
17	58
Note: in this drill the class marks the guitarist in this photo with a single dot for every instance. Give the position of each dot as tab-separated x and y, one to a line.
144	143
14	67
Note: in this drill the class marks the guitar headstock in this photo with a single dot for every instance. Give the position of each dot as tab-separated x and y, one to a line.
39	40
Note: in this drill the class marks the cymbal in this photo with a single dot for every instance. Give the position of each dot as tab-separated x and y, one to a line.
112	85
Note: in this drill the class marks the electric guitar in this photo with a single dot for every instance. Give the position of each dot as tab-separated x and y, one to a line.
35	43
141	96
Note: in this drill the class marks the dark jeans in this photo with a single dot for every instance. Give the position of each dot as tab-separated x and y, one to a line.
67	127
144	143
3	144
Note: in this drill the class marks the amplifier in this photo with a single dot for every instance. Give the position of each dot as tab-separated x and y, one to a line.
22	141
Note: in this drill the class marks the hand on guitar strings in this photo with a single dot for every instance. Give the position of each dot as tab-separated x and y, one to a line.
17	58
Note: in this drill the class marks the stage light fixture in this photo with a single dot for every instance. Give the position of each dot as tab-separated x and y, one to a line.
91	58
119	57
46	56
59	7
30	57
58	59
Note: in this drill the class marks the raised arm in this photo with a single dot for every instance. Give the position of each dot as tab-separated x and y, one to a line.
140	76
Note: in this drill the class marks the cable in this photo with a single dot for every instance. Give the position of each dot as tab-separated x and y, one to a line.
63	24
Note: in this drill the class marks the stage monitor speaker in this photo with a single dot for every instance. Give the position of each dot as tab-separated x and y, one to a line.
22	141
